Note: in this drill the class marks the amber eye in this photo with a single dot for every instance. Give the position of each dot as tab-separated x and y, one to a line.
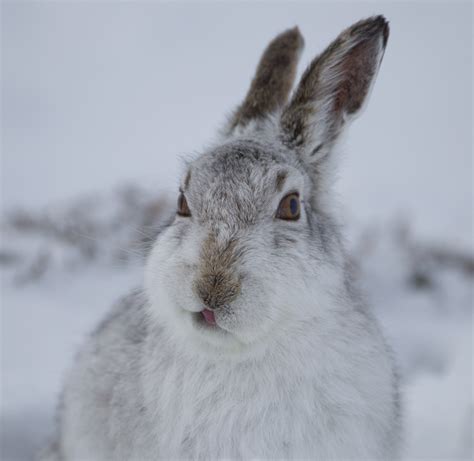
289	207
183	208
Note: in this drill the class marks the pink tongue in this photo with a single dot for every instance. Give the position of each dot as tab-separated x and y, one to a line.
209	316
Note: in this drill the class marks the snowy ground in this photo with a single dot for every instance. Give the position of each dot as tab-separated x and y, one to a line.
61	270
98	93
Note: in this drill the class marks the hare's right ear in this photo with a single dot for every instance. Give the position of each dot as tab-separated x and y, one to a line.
333	89
273	80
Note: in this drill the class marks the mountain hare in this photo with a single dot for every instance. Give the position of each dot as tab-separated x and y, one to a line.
249	339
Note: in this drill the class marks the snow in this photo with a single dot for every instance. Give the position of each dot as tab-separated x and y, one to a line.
96	94
43	325
429	325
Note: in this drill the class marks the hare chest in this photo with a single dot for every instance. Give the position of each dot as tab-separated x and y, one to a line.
250	412
205	413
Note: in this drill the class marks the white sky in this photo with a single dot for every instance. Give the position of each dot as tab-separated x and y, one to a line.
98	93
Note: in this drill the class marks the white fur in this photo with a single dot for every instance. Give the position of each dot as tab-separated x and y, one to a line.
296	367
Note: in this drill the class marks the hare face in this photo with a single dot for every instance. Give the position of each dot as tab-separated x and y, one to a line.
254	250
236	267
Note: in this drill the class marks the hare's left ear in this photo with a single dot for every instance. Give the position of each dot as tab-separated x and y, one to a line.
273	79
333	89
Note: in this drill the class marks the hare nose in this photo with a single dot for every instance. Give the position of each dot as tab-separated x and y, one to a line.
217	290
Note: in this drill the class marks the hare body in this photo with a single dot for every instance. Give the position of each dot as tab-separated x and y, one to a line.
249	339
136	394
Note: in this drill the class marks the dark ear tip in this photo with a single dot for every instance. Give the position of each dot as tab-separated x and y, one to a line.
371	27
383	26
292	37
296	32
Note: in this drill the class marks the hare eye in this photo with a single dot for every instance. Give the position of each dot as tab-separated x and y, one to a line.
289	207
183	208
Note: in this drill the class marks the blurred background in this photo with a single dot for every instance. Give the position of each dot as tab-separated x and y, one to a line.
101	101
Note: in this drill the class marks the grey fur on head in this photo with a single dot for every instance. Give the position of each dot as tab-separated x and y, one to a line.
250	338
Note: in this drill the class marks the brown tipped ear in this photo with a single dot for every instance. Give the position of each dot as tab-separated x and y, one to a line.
273	80
334	87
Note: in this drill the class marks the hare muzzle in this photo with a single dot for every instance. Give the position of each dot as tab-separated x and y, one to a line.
216	284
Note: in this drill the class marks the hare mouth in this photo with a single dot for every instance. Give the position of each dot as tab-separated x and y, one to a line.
209	317
206	320
213	334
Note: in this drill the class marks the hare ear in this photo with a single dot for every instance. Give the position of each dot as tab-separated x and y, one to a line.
333	89
273	79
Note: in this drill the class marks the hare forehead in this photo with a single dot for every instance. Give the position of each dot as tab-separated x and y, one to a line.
241	167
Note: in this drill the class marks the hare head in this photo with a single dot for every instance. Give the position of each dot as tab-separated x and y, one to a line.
254	250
